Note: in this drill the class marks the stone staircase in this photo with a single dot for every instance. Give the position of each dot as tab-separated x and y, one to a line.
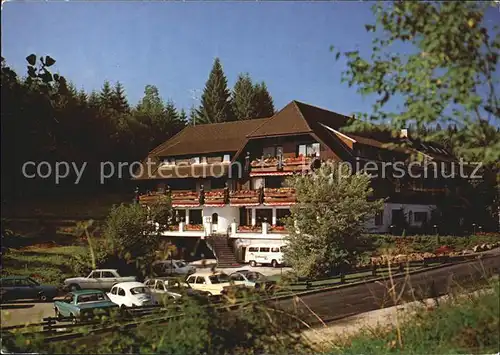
223	252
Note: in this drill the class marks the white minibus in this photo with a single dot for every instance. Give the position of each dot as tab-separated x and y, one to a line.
264	255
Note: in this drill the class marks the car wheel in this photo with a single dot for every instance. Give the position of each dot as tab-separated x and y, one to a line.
43	297
274	263
74	287
253	263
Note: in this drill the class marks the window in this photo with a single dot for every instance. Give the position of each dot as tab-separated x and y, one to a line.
203	160
200	280
237	277
138	290
264	250
218	183
159	286
257	183
264	215
95	275
92	297
7	283
275	250
269	152
195	160
253	249
215	218
398	217
227	158
420	217
149	283
274	182
195	217
32	282
310	150
68	299
121	292
379	218
107	274
113	290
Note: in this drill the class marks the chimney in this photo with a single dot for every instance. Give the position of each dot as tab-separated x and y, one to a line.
403	133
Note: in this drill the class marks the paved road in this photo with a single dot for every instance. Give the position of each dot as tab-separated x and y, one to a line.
23	312
355	299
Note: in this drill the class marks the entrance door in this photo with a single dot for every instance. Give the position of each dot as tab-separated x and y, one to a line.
215	219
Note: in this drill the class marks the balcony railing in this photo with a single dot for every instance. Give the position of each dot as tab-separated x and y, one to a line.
280	196
245	197
185	198
216	198
277	166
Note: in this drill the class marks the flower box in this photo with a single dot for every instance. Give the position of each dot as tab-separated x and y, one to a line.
249	229
193	227
277	229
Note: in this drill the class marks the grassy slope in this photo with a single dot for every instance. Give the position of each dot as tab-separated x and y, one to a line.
466	325
47	265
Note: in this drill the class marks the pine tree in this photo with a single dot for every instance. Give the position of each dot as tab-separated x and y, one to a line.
244	98
183	118
82	98
172	119
106	96
264	106
120	103
215	104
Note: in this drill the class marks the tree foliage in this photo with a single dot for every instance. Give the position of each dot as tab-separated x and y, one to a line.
215	101
243	98
134	230
264	105
449	75
329	217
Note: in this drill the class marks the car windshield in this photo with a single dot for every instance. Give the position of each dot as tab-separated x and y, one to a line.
220	278
181	264
92	297
139	290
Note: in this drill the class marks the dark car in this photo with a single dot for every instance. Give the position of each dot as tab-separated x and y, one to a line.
24	287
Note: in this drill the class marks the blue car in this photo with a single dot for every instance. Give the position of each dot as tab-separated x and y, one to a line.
24	287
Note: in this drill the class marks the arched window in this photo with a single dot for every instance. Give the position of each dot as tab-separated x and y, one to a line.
215	218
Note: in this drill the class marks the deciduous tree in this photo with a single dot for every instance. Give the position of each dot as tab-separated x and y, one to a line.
331	214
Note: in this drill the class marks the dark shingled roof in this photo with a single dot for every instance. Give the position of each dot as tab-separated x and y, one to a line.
298	118
208	138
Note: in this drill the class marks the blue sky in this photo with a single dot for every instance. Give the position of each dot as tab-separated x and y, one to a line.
173	44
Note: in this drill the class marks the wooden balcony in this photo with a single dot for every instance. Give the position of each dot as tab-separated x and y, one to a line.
245	198
272	167
279	197
185	198
216	198
151	197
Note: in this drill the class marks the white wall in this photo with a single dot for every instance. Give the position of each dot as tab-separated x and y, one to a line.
388	207
226	215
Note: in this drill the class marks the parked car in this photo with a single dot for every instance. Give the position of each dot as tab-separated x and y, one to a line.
24	287
131	294
173	289
211	282
173	267
84	304
252	279
102	279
